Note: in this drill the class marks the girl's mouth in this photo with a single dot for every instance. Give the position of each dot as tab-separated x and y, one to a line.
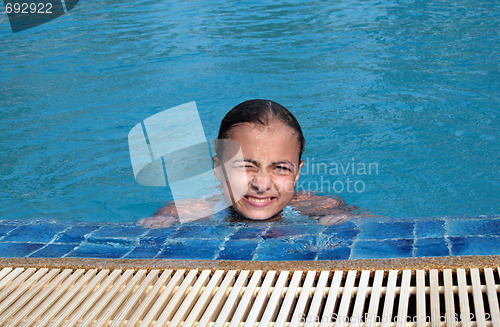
258	202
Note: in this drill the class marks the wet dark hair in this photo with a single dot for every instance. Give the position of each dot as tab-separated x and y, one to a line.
262	112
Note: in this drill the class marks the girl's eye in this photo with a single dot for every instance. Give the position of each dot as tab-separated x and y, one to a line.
283	170
242	165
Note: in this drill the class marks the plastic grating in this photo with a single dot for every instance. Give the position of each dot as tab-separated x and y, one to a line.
168	297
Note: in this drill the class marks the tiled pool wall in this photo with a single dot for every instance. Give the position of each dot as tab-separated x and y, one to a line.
368	238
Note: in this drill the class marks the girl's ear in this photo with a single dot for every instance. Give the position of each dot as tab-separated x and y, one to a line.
301	164
217	168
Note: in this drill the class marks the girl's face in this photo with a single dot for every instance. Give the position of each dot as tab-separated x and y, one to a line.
272	167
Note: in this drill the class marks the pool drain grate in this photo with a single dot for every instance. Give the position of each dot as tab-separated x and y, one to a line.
139	297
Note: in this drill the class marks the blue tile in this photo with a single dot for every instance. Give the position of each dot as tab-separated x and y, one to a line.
143	252
292	230
153	241
476	245
346	226
156	237
252	232
191	249
110	234
382	231
431	228
238	250
348	236
431	247
5	228
116	230
476	227
205	231
398	248
346	232
34	233
99	251
53	251
330	241
76	234
18	250
270	241
336	253
300	248
160	232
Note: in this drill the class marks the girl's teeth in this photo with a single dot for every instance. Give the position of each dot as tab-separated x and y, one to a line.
259	200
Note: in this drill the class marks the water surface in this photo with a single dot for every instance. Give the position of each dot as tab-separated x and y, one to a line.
411	86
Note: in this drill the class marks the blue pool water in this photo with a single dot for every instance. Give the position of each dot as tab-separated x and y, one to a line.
411	86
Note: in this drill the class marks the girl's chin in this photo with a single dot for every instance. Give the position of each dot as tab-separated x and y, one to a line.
257	218
256	214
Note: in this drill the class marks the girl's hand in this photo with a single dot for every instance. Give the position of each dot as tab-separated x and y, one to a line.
334	219
162	218
327	210
157	221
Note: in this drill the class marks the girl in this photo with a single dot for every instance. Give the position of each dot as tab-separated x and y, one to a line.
272	144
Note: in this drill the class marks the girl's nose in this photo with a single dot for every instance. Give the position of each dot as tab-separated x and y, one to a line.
261	182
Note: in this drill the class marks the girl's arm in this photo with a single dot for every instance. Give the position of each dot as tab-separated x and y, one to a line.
326	209
166	216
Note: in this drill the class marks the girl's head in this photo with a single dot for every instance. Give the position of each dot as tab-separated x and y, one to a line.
272	143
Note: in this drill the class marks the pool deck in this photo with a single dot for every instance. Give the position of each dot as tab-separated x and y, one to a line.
368	238
89	291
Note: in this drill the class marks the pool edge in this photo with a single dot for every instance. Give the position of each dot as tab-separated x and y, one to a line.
491	261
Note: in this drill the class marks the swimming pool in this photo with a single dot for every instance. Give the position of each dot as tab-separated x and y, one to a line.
408	87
